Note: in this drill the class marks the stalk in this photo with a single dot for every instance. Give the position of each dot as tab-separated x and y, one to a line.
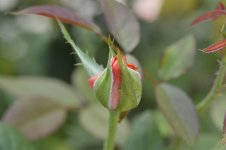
113	122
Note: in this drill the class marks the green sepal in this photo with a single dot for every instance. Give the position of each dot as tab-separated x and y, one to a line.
132	90
89	64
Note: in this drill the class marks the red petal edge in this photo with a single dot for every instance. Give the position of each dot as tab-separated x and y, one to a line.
92	80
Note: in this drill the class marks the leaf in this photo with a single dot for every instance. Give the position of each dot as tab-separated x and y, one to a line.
179	111
217	112
178	58
94	119
52	143
144	135
35	117
122	24
78	137
214	14
41	86
89	64
10	139
208	141
215	47
63	14
80	81
220	5
209	15
162	124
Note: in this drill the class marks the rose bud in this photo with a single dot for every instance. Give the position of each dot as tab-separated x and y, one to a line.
118	87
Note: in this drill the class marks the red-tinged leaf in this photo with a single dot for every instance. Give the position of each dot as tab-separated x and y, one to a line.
209	15
220	5
63	14
215	47
35	117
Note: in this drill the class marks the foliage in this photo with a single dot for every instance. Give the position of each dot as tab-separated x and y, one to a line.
46	103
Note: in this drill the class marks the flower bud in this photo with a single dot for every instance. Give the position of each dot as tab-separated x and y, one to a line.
118	87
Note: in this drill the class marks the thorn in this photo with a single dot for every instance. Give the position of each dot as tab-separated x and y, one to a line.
78	64
72	53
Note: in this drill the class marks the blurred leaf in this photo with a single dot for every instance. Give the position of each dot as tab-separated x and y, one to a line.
95	120
122	24
10	139
178	58
144	135
78	137
88	63
179	111
208	141
217	112
41	86
65	15
35	117
178	8
80	82
52	143
162	124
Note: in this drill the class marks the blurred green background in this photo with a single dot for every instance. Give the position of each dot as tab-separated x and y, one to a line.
33	46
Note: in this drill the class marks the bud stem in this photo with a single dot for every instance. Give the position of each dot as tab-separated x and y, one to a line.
112	128
214	92
219	81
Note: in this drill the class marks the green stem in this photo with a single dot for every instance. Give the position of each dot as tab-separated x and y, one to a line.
214	92
212	95
113	121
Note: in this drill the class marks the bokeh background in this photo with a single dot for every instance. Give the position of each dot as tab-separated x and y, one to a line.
33	46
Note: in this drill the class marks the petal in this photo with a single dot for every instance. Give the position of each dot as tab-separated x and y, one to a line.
114	99
92	80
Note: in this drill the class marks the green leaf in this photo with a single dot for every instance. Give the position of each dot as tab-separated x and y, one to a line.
218	111
178	58
162	124
122	24
52	143
218	116
208	141
89	64
94	119
179	111
41	86
10	139
78	137
35	117
80	83
144	135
